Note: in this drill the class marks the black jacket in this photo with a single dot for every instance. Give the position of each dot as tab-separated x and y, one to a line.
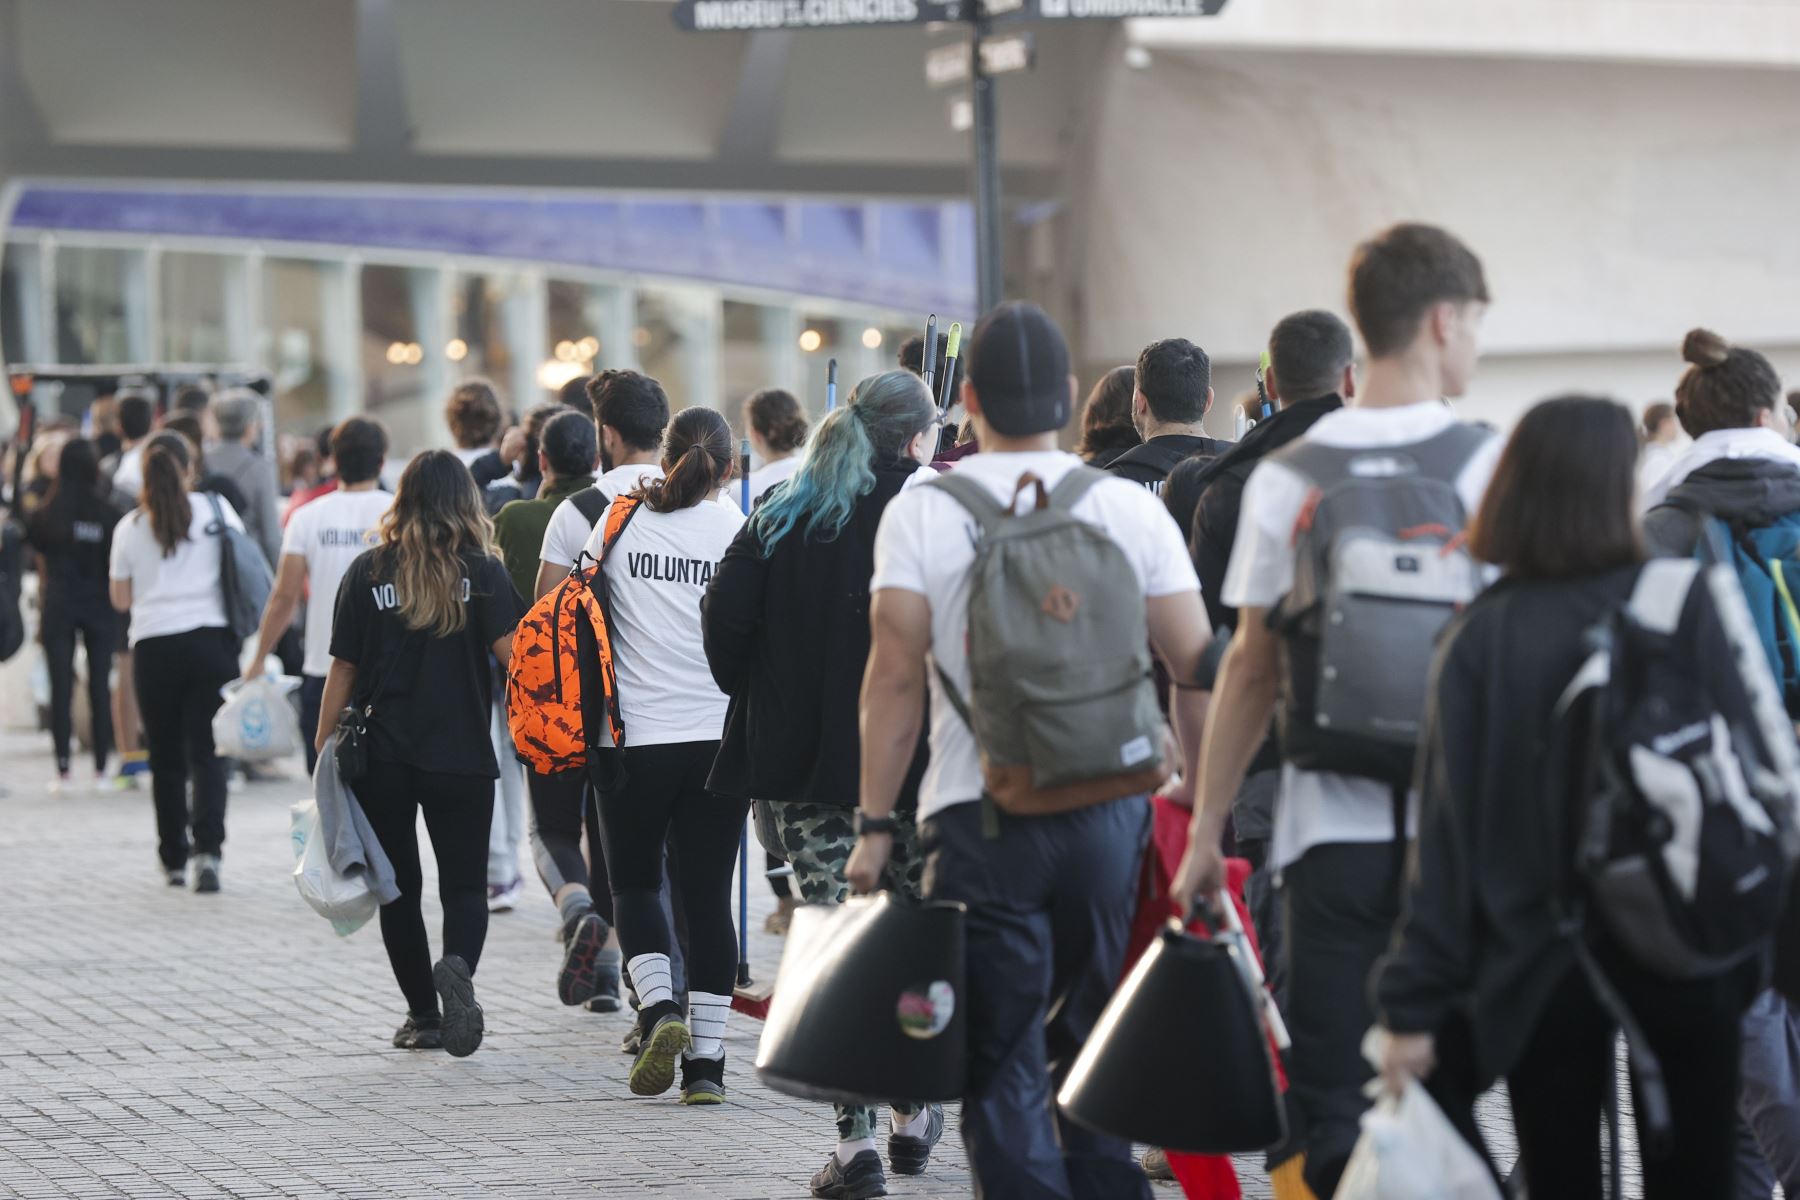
1150	463
1752	491
1219	484
1479	937
787	638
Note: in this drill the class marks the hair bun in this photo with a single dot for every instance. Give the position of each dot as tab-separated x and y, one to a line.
1704	348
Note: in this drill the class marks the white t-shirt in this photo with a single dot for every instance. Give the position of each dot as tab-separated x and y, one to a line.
926	544
1711	447
656	574
770	474
179	592
1318	807
568	530
329	533
128	476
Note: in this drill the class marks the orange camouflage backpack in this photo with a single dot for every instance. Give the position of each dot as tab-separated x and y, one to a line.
556	644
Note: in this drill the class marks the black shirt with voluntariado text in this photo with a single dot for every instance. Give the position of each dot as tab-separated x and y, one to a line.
1150	463
433	696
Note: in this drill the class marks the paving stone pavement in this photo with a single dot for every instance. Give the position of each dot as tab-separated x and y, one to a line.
162	1043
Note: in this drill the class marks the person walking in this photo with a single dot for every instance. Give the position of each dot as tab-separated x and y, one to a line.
776	426
786	622
320	542
72	534
1344	810
654	789
164	570
1171	395
568	451
419	619
238	456
1482	981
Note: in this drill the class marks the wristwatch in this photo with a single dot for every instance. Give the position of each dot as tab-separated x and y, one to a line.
866	824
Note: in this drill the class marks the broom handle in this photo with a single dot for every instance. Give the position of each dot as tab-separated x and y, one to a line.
743	971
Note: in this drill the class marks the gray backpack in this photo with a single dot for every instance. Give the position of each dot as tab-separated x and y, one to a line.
1380	568
1061	701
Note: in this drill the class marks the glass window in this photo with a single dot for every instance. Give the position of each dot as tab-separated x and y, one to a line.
589	329
758	352
22	303
491	336
399	306
102	306
202	308
309	365
822	339
676	338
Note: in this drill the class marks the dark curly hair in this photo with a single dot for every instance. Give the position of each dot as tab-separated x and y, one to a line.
778	419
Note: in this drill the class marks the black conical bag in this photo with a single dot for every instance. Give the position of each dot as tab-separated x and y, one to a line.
1180	1059
869	1006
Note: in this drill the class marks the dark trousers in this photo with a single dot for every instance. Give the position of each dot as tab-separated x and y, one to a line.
178	678
1341	903
1558	1087
662	799
562	808
1050	903
312	696
459	811
97	625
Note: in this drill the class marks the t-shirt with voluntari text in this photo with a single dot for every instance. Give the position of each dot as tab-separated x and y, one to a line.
1321	807
569	531
328	534
172	593
656	574
926	544
432	696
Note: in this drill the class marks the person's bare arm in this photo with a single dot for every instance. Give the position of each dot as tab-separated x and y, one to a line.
119	592
1243	704
893	703
340	681
278	613
1178	630
502	650
549	574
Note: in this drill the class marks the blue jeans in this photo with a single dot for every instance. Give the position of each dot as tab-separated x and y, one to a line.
1050	903
1769	1100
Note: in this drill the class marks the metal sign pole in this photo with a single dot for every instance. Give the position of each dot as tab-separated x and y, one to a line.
989	285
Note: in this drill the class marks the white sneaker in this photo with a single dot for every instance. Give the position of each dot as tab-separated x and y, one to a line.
502	896
108	782
59	783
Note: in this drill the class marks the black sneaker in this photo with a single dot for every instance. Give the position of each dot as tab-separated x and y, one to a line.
606	983
419	1033
462	1021
860	1179
206	873
579	978
703	1080
909	1154
665	1036
177	876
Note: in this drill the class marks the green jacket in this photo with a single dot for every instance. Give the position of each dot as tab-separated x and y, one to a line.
519	531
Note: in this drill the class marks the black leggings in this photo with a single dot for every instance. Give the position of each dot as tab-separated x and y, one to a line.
178	678
663	797
98	627
561	808
459	810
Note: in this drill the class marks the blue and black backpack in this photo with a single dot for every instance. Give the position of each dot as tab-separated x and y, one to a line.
1767	563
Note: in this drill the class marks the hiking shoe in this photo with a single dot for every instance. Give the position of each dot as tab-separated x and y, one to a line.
703	1080
462	1021
665	1037
633	1041
503	896
908	1154
1156	1166
606	983
206	873
580	975
419	1033
860	1179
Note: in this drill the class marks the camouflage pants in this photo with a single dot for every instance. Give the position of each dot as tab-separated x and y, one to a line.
816	840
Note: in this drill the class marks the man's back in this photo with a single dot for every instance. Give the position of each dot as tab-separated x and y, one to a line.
1150	463
254	476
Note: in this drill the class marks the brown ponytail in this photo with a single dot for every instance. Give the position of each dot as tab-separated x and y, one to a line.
168	465
696	459
1725	386
778	419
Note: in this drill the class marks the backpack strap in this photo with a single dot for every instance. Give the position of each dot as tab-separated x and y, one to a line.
1073	486
980	503
590	502
1661	592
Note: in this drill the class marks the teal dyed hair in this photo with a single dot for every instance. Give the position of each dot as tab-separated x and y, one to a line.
884	413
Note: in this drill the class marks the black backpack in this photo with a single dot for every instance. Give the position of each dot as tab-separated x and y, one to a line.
12	574
1676	767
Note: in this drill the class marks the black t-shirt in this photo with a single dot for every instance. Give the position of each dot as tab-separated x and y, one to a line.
435	694
74	535
1150	463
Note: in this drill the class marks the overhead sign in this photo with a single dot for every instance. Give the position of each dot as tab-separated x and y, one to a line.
1111	10
949	66
737	16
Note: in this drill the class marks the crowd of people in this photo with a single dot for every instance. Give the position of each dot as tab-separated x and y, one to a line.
1352	641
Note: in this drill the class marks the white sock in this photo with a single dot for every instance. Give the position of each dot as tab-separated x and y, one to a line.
913	1126
650	978
706	1023
849	1150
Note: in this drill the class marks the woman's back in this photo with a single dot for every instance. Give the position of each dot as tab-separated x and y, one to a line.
74	534
178	591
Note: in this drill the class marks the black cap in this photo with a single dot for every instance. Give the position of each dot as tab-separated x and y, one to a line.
1019	368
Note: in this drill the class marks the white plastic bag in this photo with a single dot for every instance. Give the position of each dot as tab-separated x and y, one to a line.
346	902
257	723
1409	1151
